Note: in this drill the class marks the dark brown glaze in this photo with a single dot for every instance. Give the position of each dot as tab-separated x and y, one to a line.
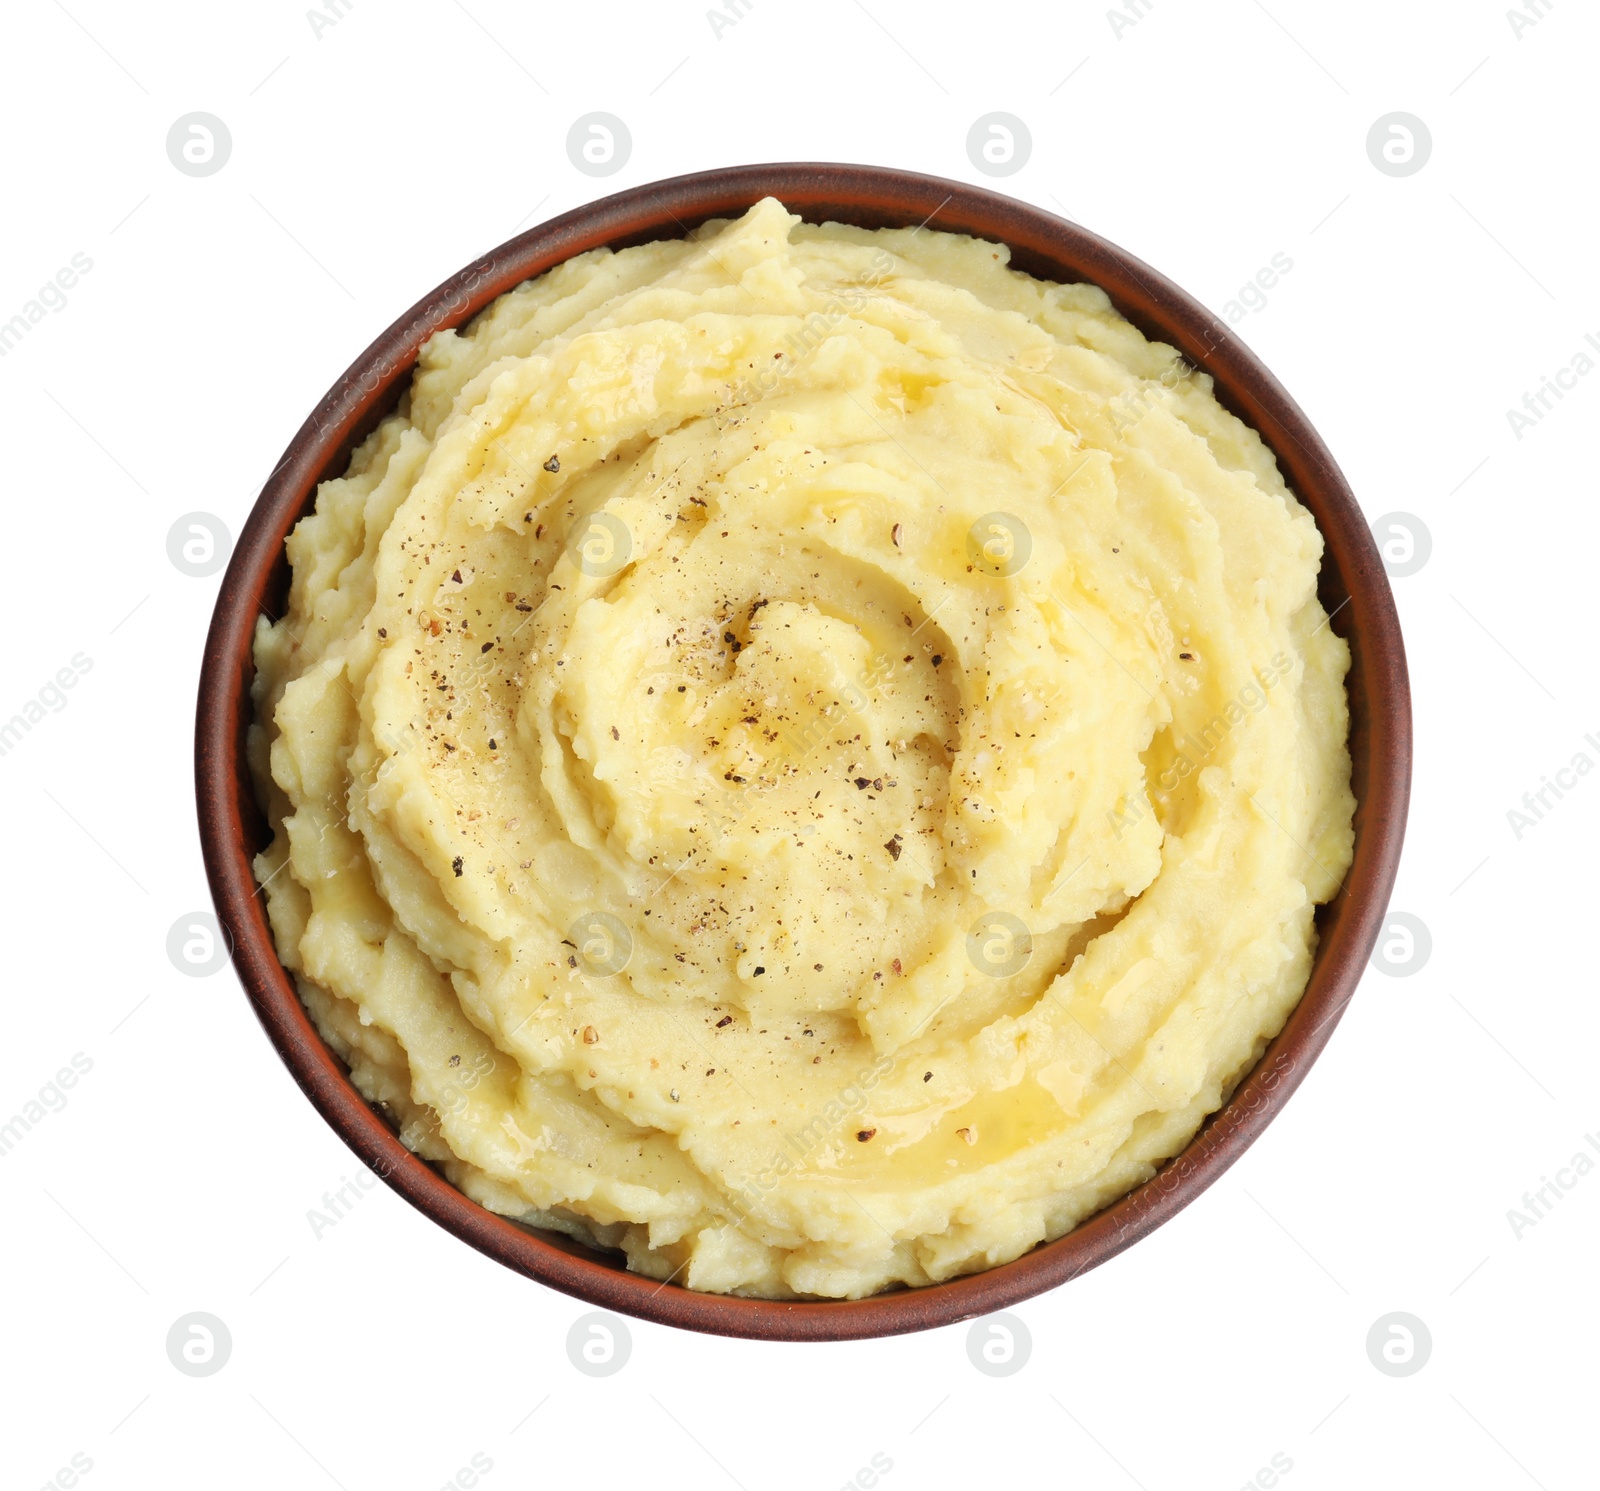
233	830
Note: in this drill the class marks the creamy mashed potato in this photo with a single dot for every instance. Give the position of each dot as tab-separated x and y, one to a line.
805	755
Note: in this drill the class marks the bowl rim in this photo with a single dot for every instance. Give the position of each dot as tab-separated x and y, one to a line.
1043	244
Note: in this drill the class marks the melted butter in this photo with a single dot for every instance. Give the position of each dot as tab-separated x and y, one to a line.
915	1149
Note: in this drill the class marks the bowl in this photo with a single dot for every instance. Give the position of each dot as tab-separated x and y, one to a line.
1353	587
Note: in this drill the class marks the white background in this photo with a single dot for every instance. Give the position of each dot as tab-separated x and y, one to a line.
372	159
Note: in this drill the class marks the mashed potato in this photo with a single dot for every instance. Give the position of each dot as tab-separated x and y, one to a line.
802	754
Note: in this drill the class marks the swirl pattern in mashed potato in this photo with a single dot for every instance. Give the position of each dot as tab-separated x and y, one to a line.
802	754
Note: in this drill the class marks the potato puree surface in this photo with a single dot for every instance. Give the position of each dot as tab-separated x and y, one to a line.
802	754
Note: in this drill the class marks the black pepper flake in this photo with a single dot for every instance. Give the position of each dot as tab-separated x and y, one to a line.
927	1076
487	646
553	464
1188	657
456	577
725	1020
492	745
893	846
862	783
383	631
455	865
864	1134
614	734
938	658
759	969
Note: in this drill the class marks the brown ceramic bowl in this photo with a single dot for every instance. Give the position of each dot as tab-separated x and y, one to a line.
1354	589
